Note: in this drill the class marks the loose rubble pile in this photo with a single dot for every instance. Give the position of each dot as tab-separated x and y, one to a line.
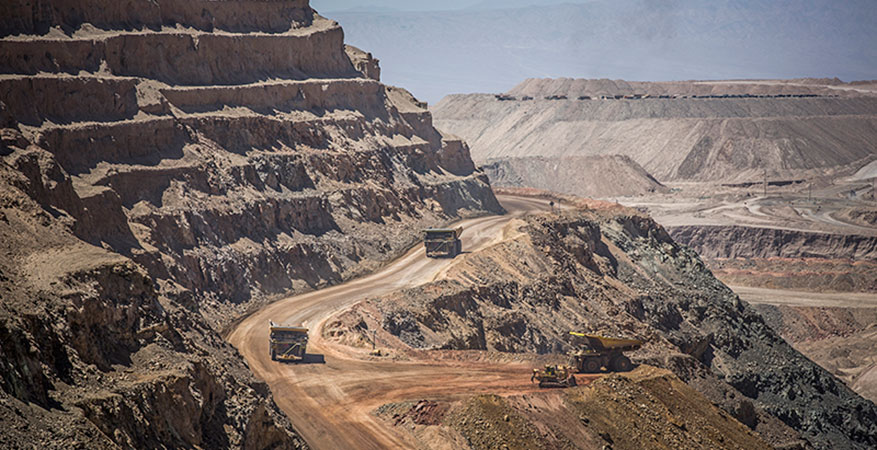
646	408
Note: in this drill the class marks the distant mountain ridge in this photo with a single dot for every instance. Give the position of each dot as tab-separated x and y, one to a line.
800	87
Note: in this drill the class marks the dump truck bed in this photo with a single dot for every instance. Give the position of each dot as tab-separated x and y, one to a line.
444	233
441	242
291	328
598	342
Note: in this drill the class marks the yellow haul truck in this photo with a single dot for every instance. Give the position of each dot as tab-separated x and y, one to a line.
287	342
442	242
601	351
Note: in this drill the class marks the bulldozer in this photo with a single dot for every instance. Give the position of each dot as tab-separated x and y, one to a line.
598	352
554	376
442	242
287	342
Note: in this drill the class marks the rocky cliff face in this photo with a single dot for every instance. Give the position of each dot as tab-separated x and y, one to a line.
785	259
166	166
617	272
753	242
97	354
685	131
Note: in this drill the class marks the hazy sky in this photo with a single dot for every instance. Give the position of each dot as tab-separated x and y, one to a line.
325	6
340	5
462	46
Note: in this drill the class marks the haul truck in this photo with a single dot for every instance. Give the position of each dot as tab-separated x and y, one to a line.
287	342
601	351
442	242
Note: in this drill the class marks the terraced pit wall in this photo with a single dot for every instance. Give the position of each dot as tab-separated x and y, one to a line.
213	153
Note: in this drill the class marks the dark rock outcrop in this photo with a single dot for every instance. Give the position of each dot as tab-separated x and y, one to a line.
616	272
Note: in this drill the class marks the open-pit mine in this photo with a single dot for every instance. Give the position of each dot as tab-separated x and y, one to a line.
212	221
772	182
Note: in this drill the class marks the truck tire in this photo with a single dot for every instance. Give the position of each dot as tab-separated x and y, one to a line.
622	363
273	356
591	365
458	247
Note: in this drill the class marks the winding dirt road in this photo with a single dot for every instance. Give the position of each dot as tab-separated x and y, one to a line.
329	399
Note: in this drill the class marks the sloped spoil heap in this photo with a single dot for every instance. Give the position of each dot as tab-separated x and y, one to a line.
168	165
732	132
614	271
587	176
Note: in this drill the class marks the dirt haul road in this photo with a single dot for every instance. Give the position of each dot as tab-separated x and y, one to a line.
788	297
329	398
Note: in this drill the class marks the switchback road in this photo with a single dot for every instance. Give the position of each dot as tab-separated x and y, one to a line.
329	401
